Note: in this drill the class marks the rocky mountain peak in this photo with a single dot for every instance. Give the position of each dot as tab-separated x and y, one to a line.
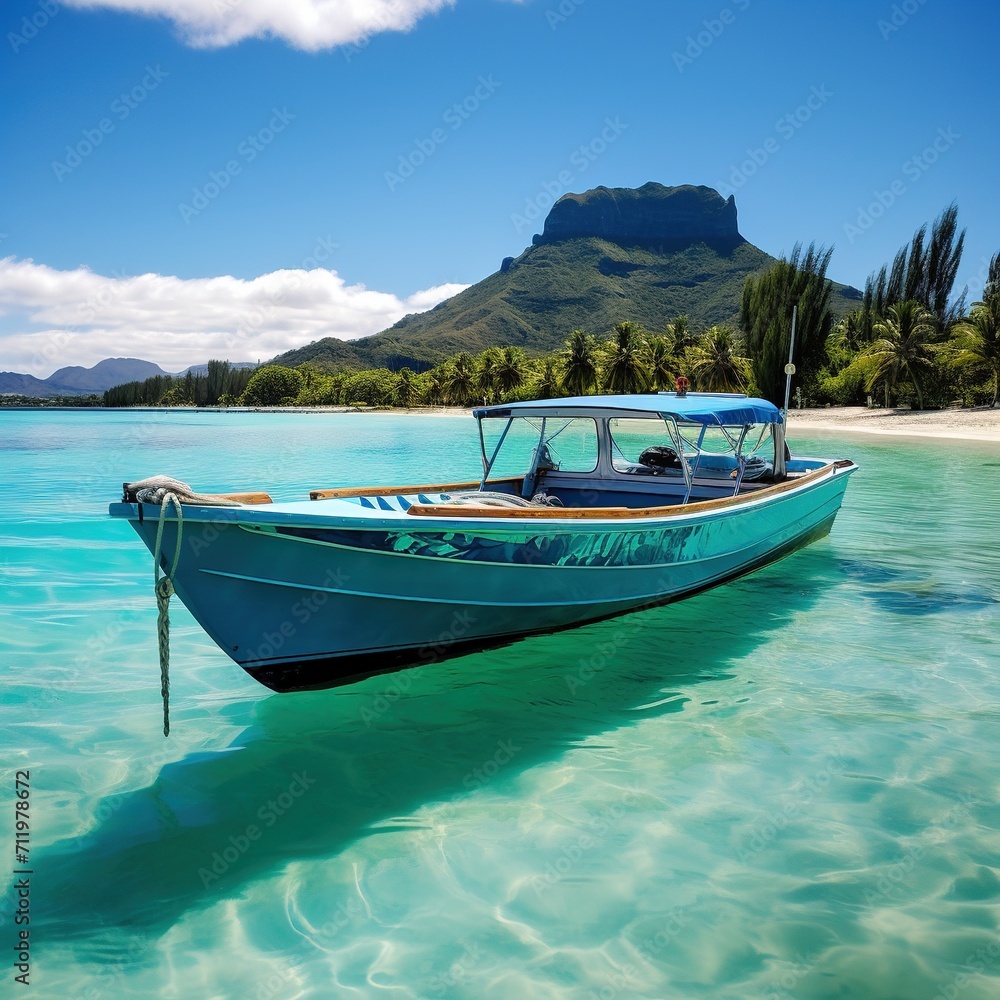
652	214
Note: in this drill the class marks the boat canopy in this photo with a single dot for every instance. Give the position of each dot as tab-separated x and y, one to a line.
694	408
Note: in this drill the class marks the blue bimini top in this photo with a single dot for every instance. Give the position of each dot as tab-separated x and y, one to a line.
694	408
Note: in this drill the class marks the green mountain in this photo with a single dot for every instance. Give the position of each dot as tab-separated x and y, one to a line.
643	254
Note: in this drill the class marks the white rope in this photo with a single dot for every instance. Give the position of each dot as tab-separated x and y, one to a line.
163	587
156	489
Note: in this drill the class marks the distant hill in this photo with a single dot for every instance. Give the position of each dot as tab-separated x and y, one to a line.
643	254
78	381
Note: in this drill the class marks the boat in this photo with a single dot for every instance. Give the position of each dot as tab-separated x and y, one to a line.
586	508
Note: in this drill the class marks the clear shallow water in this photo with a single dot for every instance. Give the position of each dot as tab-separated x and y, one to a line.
786	787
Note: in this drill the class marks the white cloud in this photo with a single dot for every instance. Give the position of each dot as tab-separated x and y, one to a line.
55	318
306	24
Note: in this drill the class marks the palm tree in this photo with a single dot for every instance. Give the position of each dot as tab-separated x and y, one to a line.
662	363
681	334
904	345
579	364
626	369
406	392
486	380
851	333
716	362
461	381
508	373
437	384
978	340
547	384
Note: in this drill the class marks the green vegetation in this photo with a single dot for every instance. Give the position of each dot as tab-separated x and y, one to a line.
716	363
579	363
766	317
906	342
904	345
222	385
920	273
16	399
910	342
583	283
626	367
631	360
273	385
977	337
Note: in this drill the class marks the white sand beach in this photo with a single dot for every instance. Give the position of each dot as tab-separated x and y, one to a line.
977	424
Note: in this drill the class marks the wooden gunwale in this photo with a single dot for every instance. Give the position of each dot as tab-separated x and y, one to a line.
255	497
676	510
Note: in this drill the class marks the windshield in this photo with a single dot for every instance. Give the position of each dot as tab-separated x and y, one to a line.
636	439
723	440
568	444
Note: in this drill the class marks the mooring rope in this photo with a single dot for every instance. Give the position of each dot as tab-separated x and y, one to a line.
163	587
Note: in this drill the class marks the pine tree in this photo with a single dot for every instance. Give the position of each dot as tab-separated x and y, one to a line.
766	317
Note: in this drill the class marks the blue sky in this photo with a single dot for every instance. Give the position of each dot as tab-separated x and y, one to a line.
176	191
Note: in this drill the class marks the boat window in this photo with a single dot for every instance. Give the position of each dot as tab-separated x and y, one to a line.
569	443
719	441
645	438
715	440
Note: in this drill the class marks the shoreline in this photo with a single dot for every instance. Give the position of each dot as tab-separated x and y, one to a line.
980	423
975	424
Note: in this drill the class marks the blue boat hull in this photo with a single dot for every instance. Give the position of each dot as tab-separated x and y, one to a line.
313	602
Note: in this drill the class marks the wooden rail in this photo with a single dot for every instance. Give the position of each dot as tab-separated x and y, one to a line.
675	510
249	498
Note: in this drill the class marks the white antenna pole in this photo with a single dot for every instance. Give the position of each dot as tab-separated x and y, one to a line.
790	368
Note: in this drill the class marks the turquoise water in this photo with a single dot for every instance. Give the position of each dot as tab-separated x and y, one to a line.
784	788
